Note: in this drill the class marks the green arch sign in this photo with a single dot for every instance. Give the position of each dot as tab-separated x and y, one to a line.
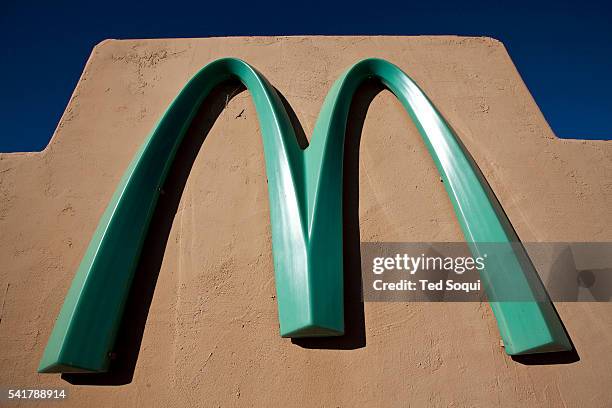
305	194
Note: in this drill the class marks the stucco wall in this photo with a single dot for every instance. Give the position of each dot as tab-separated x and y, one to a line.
210	337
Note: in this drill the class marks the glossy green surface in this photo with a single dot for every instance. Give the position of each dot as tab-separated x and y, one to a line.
305	194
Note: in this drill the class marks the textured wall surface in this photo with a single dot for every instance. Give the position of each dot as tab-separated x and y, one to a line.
201	327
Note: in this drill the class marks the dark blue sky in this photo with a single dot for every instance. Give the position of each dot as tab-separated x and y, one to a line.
562	49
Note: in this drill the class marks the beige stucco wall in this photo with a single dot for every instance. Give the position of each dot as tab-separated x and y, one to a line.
211	335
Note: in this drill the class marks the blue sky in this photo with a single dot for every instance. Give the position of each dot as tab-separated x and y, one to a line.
562	49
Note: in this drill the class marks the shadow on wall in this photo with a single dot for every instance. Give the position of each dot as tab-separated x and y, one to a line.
129	336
